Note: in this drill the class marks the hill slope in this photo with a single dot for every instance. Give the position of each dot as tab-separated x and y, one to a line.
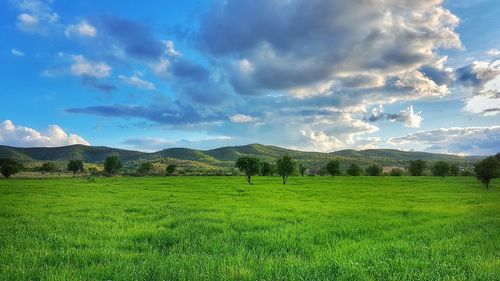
225	156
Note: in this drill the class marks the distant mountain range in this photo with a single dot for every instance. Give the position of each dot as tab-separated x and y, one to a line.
225	157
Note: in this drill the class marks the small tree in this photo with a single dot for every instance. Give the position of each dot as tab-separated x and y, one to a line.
374	170
266	169
333	168
171	169
487	169
440	169
396	172
250	166
145	168
285	167
302	168
75	166
9	167
354	170
417	167
48	167
112	165
454	170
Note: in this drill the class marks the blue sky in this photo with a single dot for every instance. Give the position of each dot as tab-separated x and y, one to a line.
311	75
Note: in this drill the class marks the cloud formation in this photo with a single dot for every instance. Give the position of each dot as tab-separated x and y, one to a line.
20	136
407	116
83	67
17	53
81	29
468	140
36	16
137	82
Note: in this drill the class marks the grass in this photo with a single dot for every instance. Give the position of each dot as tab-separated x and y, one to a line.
219	228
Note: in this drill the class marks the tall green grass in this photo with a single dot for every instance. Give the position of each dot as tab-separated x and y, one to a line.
219	228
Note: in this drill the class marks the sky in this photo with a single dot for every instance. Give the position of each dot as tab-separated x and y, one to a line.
302	74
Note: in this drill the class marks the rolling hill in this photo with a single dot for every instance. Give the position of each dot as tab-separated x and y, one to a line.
224	157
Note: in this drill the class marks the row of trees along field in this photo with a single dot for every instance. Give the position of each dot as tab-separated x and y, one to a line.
485	170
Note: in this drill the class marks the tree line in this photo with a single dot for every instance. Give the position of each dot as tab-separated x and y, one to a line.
484	170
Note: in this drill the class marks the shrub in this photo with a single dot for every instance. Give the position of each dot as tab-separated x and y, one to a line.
171	169
354	170
333	168
48	167
112	165
396	172
374	170
266	169
145	168
417	167
440	169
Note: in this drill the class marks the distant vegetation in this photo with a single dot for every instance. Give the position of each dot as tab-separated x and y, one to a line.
253	162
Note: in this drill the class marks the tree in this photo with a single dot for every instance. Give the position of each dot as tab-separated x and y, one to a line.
285	167
266	169
250	166
9	167
48	167
374	170
112	164
417	167
440	169
302	168
396	172
171	169
145	168
354	170
487	169
75	166
333	168
454	170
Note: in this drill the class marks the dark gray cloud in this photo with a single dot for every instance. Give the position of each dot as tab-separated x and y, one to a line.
477	74
100	86
136	39
310	42
174	114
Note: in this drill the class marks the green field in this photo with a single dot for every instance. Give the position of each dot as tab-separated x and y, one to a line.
219	228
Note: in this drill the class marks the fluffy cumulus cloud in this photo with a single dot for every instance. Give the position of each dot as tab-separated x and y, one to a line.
36	16
407	116
84	67
315	42
20	136
469	140
81	29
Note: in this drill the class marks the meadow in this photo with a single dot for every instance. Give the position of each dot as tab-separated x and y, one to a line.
220	228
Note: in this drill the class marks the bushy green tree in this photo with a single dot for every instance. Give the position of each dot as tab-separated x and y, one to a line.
266	169
250	166
9	167
285	167
302	168
171	168
354	170
75	166
396	172
333	168
487	169
454	169
48	167
112	165
440	169
373	170
417	167
145	168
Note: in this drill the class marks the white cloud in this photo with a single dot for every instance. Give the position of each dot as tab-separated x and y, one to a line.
83	67
20	136
467	141
241	118
481	104
81	29
170	49
36	16
493	52
407	116
137	82
17	53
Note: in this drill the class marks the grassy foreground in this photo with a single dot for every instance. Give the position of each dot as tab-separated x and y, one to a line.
219	228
